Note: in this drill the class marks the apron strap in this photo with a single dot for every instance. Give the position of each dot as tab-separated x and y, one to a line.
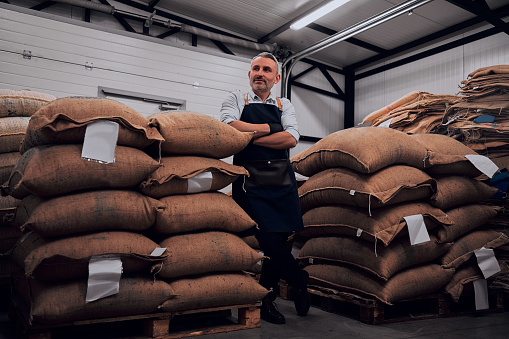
245	99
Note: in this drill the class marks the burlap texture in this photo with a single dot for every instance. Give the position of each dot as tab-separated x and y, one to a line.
213	290
466	274
363	149
453	191
199	253
67	257
9	235
464	219
385	224
60	302
12	131
446	156
7	163
172	177
23	103
64	121
102	210
59	169
385	263
389	186
8	206
252	242
464	247
188	133
201	211
410	283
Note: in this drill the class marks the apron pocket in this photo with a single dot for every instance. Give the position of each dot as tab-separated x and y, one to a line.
267	173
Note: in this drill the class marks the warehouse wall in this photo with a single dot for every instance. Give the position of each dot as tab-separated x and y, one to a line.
438	74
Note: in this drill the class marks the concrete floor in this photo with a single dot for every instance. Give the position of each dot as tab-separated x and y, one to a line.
320	324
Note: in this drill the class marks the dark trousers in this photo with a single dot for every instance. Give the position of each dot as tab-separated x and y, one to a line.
281	263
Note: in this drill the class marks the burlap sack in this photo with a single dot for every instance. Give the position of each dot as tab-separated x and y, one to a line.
199	253
446	156
252	242
469	273
201	211
464	247
176	174
103	210
64	121
12	131
59	169
9	235
22	103
7	163
410	283
214	290
198	134
68	257
363	149
389	186
385	263
385	224
8	206
464	219
60	302
453	191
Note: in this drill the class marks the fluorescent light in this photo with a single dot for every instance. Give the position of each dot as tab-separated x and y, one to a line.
329	7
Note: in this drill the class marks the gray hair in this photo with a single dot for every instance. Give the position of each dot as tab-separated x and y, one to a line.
268	56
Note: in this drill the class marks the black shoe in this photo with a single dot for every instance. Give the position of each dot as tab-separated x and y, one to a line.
269	312
301	297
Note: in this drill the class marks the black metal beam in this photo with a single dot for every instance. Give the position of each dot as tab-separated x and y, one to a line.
481	9
317	90
43	5
331	81
222	47
169	32
353	41
120	18
153	3
7	2
501	12
319	64
87	14
349	117
433	51
295	77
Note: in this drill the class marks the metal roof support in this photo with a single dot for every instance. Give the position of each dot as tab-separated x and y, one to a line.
345	34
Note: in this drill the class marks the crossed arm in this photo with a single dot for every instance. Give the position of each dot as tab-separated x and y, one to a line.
279	140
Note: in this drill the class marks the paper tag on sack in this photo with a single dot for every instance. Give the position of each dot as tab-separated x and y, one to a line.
386	123
481	294
100	141
158	251
359	232
487	262
200	183
483	164
104	273
417	229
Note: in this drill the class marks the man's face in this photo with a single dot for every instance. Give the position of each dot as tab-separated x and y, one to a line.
263	74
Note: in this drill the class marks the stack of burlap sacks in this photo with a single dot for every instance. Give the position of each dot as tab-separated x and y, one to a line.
16	108
363	183
75	210
416	112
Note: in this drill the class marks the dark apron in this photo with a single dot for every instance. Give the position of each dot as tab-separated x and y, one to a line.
274	209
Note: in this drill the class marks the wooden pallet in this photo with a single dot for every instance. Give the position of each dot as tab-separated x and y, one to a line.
163	325
373	311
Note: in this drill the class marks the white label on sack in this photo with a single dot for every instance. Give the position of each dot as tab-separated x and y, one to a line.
311	260
201	182
386	123
359	232
158	251
352	192
487	262
483	164
100	141
481	294
104	273
417	229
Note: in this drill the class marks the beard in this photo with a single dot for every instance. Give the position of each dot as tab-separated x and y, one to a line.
260	86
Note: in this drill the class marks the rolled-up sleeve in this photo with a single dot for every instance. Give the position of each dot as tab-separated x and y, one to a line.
289	120
230	110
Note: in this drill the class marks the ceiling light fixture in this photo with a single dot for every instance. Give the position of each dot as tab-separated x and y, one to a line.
315	15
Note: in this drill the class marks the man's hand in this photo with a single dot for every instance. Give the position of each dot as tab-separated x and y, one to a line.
259	130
